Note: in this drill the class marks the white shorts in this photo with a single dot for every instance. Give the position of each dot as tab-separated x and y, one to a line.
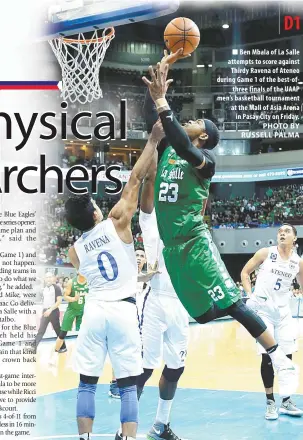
109	327
283	330
165	331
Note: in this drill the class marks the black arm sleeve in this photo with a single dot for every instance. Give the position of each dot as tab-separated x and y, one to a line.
179	140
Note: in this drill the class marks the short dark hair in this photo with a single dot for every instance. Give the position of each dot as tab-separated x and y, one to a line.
292	227
213	134
79	212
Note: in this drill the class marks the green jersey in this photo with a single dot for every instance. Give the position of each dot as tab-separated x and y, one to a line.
180	196
78	289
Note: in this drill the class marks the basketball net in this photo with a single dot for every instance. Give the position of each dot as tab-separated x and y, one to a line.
80	60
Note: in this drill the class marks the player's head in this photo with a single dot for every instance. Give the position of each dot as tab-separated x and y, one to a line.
49	279
287	235
82	212
141	258
65	281
203	133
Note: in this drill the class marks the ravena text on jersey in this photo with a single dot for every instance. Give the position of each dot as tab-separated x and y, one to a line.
94	244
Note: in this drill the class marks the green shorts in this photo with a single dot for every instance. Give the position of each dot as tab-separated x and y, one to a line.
68	319
199	276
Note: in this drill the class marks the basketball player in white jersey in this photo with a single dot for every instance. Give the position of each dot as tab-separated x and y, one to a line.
142	286
141	291
105	255
278	266
164	322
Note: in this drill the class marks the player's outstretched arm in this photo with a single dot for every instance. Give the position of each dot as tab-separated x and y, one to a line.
74	257
150	112
174	132
148	222
150	109
147	194
122	212
256	261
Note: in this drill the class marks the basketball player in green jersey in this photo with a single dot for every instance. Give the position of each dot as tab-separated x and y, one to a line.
74	294
193	262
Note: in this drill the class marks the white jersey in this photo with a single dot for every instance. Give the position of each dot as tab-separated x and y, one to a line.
108	264
153	245
275	278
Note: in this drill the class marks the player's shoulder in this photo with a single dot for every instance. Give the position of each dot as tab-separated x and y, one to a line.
263	253
210	154
107	224
296	257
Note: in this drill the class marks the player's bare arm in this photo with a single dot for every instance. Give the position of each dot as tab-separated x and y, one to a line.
256	261
175	134
74	257
150	110
300	275
147	194
123	211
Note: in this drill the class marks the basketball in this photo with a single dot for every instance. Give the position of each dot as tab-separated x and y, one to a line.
183	33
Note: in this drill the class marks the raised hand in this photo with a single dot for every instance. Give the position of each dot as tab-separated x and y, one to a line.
171	58
159	83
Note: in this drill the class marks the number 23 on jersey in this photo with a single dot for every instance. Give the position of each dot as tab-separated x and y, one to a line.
168	192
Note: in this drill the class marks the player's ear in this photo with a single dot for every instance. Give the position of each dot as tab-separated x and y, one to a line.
98	216
202	139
